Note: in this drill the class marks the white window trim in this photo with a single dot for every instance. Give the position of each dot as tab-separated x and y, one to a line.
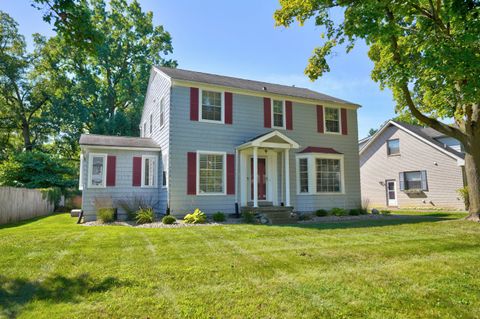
325	120
162	111
388	148
90	168
224	184
155	173
312	173
200	106
283	127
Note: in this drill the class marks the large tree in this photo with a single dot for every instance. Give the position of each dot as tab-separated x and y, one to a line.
426	51
111	60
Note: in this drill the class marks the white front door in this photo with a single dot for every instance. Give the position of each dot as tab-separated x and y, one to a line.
391	193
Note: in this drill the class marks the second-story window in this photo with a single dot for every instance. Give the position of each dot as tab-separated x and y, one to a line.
278	112
332	120
162	111
212	106
151	123
144	129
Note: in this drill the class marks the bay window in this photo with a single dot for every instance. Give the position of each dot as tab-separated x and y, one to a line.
149	171
320	173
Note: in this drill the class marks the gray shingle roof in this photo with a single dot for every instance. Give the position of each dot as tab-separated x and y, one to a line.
250	85
117	141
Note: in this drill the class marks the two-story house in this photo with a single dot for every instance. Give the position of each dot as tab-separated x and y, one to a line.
408	166
221	143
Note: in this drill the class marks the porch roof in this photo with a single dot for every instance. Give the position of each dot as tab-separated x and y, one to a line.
273	139
315	149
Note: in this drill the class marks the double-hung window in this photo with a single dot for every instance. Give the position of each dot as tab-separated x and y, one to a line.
144	129
212	106
413	180
149	171
162	111
151	123
303	174
278	113
97	170
211	173
332	120
328	175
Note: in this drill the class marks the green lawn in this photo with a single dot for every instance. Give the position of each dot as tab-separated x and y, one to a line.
414	268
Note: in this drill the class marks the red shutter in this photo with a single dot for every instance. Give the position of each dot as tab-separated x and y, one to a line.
192	173
320	118
193	104
137	171
344	121
111	169
289	115
230	174
267	115
228	108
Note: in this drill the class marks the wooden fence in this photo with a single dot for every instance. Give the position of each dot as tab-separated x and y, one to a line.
22	203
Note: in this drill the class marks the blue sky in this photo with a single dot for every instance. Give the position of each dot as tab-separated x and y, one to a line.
238	38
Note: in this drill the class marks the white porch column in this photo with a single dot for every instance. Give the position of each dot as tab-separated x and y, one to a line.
286	156
255	177
238	176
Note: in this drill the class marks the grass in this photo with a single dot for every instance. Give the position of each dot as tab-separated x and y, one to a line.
409	268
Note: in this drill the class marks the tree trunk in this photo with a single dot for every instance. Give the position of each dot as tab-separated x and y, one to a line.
472	172
26	135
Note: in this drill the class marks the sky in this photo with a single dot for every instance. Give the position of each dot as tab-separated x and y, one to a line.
239	38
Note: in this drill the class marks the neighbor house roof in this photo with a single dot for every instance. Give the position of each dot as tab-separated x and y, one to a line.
250	85
117	141
427	135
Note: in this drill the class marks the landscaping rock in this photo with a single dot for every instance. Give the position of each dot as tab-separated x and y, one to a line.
375	211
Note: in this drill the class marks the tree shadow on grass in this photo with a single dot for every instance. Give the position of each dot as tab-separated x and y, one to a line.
388	221
17	293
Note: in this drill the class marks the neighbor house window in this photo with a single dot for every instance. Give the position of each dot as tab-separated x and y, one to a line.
162	111
97	170
212	106
413	180
211	173
328	175
303	174
332	120
393	147
149	171
278	111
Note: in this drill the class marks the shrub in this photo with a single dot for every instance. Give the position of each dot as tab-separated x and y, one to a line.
219	217
197	217
248	217
385	212
363	211
106	215
354	212
321	212
169	219
145	216
463	192
133	205
339	211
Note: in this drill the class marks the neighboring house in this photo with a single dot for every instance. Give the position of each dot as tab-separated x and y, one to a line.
408	166
203	136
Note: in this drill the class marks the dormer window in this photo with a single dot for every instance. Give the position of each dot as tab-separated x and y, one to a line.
278	114
211	109
393	147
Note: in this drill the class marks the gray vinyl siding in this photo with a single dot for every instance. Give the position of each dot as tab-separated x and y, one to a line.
444	176
190	136
158	88
123	189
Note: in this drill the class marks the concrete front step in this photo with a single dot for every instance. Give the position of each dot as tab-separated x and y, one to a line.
261	204
274	215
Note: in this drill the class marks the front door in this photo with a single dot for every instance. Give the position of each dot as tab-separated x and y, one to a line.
262	179
391	193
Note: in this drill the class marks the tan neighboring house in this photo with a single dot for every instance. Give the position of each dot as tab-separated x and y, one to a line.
407	166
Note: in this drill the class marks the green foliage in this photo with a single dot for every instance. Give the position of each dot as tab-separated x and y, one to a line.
53	195
169	219
354	212
248	217
338	212
219	217
385	212
463	192
197	217
106	215
321	213
305	217
145	216
36	170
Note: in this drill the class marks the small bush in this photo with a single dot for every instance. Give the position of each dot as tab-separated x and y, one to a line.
197	217
354	212
248	217
385	212
219	217
463	192
339	211
363	211
321	213
145	216
106	215
169	219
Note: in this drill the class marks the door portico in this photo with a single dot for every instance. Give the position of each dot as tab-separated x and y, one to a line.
265	149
